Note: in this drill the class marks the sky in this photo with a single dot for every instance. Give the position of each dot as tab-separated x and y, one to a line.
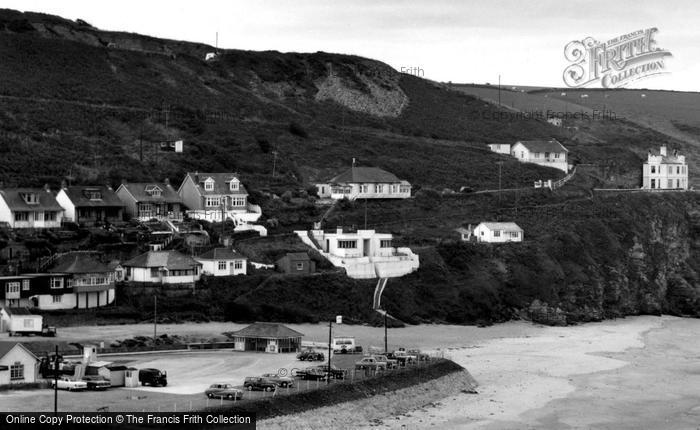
447	40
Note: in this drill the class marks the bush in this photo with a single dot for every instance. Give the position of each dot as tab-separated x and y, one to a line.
297	130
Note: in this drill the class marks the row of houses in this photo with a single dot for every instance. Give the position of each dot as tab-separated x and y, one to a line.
206	196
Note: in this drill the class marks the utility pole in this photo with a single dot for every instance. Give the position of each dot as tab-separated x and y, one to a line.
365	213
55	383
155	319
274	162
499	90
330	328
386	348
500	165
141	144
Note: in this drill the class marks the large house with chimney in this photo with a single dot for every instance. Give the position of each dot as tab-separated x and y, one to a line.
150	200
364	183
665	172
90	205
211	196
547	153
30	208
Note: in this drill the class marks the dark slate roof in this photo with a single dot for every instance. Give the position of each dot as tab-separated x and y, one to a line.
138	190
296	256
267	331
171	260
543	145
78	194
46	200
18	311
78	263
221	183
364	174
6	347
221	254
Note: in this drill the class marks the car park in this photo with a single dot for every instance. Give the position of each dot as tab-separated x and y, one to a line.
66	383
282	381
96	382
223	391
370	363
391	363
259	383
311	356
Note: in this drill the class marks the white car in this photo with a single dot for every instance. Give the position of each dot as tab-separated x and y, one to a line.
65	383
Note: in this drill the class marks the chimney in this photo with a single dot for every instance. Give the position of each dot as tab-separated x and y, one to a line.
47	188
166	181
123	181
675	153
64	185
339	230
663	150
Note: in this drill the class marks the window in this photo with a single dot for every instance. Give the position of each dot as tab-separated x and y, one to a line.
522	154
546	155
209	185
405	188
378	188
670	170
300	266
514	234
364	188
17	371
238	264
678	170
12	287
222	265
238	201
49	216
38	216
154	272
234	185
653	170
497	233
212	201
556	155
653	183
56	299
385	243
21	216
153	191
392	190
31	198
28	323
56	282
93	194
669	183
347	244
25	285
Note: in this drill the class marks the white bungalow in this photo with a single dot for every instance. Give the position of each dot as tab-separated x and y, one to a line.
364	183
163	267
222	262
547	153
365	254
497	232
18	365
500	148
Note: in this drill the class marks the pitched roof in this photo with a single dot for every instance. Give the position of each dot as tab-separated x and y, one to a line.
221	183
171	260
45	200
297	256
138	190
543	145
18	311
78	263
92	196
508	226
221	254
6	347
364	174
268	331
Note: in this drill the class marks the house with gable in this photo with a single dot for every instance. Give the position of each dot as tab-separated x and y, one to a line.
663	171
222	262
163	267
209	196
364	183
18	365
547	153
30	208
493	232
148	200
89	205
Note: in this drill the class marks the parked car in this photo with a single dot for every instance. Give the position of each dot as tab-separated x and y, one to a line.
421	356
312	373
259	383
311	356
336	372
405	356
370	363
65	383
153	377
225	391
391	363
358	349
95	382
282	381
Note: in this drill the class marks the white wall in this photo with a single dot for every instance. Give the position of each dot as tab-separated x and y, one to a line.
67	204
211	267
46	302
140	274
19	354
484	234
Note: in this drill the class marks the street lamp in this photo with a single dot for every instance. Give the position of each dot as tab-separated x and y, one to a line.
338	320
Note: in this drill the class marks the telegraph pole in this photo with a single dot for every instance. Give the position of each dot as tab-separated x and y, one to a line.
274	162
55	383
386	348
499	90
330	328
500	165
155	319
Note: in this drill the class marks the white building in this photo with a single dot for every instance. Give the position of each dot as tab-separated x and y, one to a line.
364	254
548	153
30	208
163	267
557	122
665	172
18	365
19	320
222	262
364	183
209	196
496	232
500	148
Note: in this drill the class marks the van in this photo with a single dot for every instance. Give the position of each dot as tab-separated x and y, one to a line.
153	377
344	345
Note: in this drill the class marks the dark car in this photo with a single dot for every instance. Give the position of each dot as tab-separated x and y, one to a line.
96	382
311	356
312	373
259	383
336	372
225	391
282	381
153	377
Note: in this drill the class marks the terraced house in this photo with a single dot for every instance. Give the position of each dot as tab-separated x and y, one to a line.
150	200
364	183
211	196
30	208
